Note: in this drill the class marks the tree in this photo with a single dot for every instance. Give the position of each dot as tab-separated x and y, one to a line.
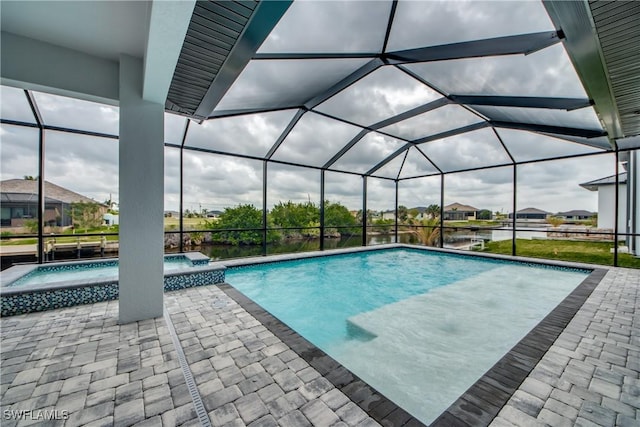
403	213
370	216
85	215
240	225
295	215
433	211
30	178
337	215
484	214
414	212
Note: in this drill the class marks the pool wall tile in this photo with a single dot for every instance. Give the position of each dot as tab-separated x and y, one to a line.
16	301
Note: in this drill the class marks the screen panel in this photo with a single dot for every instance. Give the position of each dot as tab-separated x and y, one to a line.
526	146
14	105
314	140
431	23
285	83
433	122
465	151
251	134
583	118
78	114
384	93
367	152
546	73
311	26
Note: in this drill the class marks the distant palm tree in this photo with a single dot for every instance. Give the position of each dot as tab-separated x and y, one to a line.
433	210
555	221
428	231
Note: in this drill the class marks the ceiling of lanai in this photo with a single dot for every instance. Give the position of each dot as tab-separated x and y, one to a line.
383	88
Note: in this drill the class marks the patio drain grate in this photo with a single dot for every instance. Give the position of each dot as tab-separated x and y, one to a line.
201	412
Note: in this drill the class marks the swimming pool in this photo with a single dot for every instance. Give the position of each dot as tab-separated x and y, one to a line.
419	326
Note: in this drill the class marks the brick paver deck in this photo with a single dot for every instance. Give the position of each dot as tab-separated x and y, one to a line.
589	376
80	364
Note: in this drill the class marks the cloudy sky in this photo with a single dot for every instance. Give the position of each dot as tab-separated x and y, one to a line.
89	165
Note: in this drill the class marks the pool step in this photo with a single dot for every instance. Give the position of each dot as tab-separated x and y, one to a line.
355	332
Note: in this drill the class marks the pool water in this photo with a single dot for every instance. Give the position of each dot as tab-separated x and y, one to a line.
421	327
88	271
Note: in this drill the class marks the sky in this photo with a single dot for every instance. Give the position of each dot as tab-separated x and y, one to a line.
89	165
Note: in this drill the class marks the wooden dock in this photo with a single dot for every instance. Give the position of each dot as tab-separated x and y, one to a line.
52	247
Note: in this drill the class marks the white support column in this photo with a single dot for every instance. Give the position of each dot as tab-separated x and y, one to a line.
141	151
633	200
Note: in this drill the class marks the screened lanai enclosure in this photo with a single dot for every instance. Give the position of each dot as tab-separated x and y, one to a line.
485	126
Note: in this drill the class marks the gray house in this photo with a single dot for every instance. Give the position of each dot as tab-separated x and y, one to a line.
19	203
531	213
576	214
459	212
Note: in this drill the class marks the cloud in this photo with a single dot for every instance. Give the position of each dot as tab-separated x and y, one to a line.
385	92
350	26
506	75
433	122
19	151
285	83
77	114
368	152
314	140
90	165
14	105
469	150
429	23
252	134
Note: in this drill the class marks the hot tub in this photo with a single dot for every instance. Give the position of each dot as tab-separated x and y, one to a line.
31	288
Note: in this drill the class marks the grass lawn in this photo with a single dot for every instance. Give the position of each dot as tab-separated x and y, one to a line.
64	236
564	250
70	239
173	223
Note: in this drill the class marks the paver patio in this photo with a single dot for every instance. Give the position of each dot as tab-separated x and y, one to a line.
80	366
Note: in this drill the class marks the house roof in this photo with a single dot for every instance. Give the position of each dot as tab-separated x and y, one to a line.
532	211
576	212
24	190
460	208
609	180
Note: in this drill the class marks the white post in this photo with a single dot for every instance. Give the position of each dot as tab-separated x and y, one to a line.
633	201
141	150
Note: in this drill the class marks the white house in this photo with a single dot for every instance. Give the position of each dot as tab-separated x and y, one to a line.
607	200
111	219
388	214
628	200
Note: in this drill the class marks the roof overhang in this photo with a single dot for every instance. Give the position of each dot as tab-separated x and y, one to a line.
602	39
221	39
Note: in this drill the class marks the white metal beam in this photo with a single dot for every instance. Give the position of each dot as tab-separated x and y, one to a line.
32	64
168	23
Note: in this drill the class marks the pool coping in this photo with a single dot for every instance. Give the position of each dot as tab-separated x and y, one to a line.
19	271
24	299
483	400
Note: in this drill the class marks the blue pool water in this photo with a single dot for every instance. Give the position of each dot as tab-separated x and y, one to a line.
87	271
420	327
338	287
